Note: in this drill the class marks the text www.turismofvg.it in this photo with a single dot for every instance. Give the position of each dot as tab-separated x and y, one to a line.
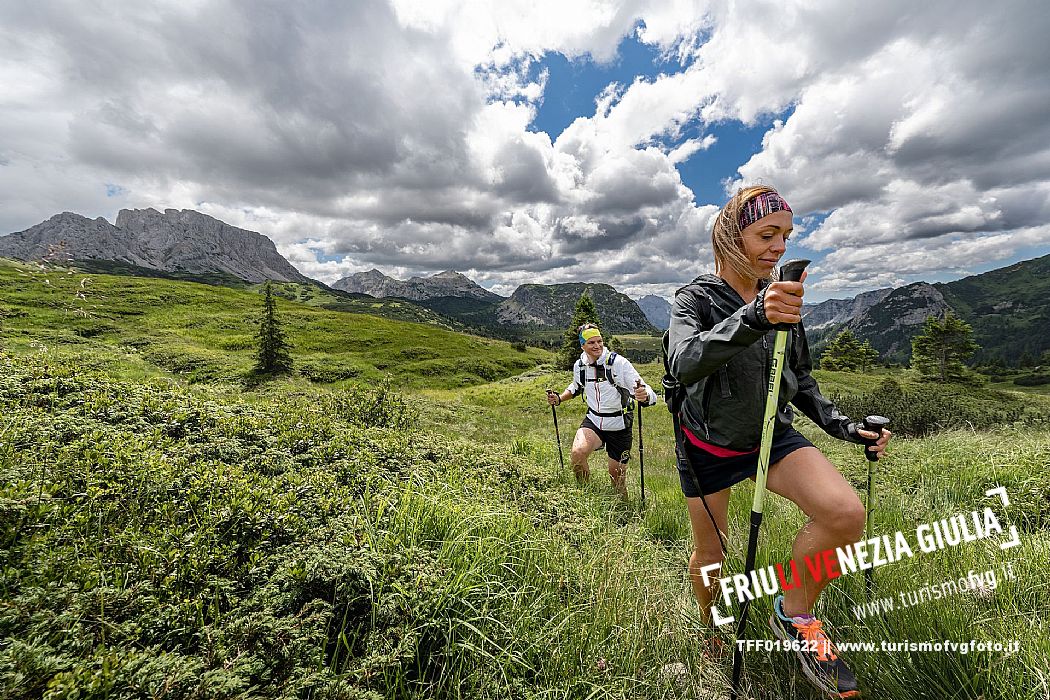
981	584
946	646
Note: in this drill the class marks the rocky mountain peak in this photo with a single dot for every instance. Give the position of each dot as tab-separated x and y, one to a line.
657	310
174	241
551	306
444	284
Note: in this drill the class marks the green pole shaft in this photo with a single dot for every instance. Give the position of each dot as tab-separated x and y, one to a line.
759	500
869	509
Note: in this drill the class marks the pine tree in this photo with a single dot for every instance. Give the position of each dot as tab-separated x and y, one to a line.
939	351
585	312
845	352
868	356
272	356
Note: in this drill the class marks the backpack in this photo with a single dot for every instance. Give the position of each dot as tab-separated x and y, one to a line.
603	373
674	392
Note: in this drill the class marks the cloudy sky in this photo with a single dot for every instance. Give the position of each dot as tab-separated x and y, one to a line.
543	140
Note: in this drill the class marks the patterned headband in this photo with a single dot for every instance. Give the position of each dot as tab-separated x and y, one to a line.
760	206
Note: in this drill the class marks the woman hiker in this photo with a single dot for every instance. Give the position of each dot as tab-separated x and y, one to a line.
607	380
719	348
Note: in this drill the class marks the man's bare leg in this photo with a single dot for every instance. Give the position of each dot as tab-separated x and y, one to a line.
585	442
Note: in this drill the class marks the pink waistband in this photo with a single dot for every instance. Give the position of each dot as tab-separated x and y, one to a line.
713	449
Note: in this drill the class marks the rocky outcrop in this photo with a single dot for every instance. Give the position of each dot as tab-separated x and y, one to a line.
891	323
657	310
887	318
444	284
552	305
173	241
840	311
68	236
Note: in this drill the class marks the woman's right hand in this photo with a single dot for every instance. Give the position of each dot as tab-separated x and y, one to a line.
782	302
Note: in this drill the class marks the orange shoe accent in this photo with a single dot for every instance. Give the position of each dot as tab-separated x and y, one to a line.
814	635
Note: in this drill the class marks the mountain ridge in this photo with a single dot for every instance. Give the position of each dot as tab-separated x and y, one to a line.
1008	308
174	241
444	284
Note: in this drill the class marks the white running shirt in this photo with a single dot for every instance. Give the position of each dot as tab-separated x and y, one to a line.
603	397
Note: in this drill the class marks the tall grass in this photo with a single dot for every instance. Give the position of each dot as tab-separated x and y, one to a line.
330	536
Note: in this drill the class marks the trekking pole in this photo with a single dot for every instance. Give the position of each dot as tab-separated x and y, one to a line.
875	424
790	272
557	435
641	452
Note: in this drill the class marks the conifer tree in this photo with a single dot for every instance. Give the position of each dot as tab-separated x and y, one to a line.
846	352
585	312
939	351
272	356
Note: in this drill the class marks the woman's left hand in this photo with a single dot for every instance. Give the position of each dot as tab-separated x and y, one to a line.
879	448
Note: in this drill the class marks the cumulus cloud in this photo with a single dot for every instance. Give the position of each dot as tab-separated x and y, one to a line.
928	148
399	134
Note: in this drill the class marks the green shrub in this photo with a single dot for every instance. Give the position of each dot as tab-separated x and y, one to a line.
934	407
1033	380
379	407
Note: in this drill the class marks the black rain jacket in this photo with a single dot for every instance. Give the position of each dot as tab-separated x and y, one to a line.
723	361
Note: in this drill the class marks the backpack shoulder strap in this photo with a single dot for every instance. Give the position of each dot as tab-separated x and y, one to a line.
609	367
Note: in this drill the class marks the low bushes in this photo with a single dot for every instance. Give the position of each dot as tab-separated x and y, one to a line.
932	407
1033	380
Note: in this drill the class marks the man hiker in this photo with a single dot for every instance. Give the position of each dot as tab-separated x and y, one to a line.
609	383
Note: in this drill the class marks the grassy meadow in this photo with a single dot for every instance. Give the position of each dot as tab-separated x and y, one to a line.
392	521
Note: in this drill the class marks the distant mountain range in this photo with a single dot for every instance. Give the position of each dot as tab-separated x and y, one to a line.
1009	309
444	284
175	241
190	245
657	310
531	306
552	305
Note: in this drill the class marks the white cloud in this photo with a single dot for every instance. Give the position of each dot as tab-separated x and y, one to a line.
399	135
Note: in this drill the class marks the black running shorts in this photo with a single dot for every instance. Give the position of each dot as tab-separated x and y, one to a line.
616	442
712	474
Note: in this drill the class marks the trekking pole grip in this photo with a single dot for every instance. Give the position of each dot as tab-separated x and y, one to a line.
875	424
792	270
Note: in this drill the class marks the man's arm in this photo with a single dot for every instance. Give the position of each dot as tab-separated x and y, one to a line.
574	386
630	379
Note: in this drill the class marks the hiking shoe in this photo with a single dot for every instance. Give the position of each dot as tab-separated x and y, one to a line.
820	662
